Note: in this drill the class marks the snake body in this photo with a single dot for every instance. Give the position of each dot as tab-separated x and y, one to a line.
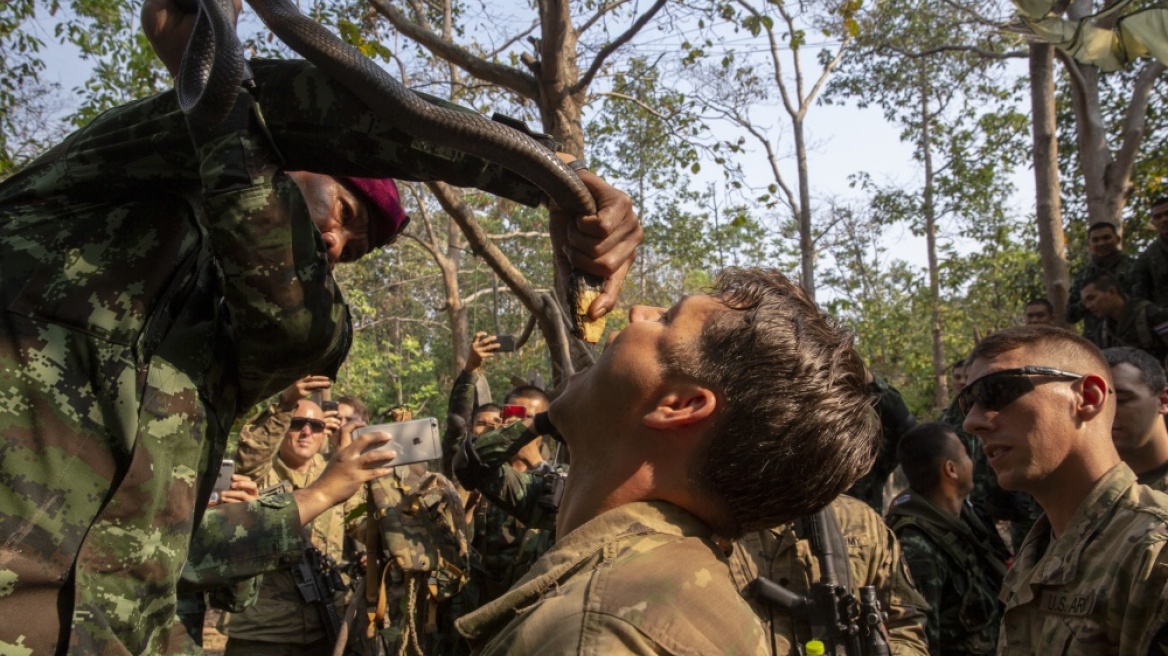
213	68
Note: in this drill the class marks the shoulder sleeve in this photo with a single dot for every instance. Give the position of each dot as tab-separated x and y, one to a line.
922	560
240	540
458	411
259	439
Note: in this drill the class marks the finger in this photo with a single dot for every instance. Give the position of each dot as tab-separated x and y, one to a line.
615	208
604	303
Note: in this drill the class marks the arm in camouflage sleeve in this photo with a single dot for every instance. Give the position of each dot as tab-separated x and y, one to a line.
289	316
240	540
514	492
922	560
259	439
906	607
461	404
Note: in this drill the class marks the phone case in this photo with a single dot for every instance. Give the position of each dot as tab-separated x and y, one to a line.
413	441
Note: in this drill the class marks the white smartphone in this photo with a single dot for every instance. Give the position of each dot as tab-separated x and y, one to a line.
413	441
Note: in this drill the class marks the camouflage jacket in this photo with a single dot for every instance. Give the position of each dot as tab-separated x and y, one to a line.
281	614
150	292
1150	274
1142	325
958	565
644	578
1099	588
783	555
458	411
1120	266
895	420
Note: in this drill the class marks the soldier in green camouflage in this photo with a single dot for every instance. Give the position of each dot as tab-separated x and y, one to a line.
1105	249
1092	576
1126	321
670	440
1150	273
152	290
1141	405
956	556
785	554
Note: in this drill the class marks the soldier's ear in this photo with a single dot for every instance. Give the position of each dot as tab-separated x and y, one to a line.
681	405
949	469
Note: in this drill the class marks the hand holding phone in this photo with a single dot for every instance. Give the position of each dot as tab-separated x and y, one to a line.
412	441
506	343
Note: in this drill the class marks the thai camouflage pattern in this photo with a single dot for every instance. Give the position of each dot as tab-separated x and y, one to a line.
150	291
895	420
958	566
1137	328
644	578
1101	587
423	561
1150	274
458	417
280	615
782	555
1120	266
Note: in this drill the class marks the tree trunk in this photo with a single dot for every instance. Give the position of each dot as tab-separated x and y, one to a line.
941	388
1051	240
806	239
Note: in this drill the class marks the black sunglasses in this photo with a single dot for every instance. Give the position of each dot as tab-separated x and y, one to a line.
1001	388
298	424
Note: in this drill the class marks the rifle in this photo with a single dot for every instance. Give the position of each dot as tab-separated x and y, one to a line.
318	578
843	624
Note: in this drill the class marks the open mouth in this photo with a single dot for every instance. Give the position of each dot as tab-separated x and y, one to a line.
995	452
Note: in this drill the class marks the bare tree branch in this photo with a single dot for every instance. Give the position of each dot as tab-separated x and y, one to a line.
509	78
612	47
513	40
533	234
604	9
980	52
638	103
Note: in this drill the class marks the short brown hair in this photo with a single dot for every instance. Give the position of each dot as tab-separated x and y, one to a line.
1064	348
797	424
358	406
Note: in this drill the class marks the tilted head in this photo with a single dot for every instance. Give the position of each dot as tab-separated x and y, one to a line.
1039	399
931	455
1102	296
354	215
486	417
740	389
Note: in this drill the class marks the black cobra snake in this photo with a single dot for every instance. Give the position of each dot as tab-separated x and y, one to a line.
213	69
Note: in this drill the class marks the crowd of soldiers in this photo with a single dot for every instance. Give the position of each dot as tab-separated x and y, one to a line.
162	273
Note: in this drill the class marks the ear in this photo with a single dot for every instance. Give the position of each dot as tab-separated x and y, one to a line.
1094	395
681	406
949	469
1164	401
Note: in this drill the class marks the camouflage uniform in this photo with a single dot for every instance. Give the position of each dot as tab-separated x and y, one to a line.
644	578
895	420
281	615
1142	325
1099	588
958	565
1157	478
125	259
784	555
1150	274
1120	266
458	416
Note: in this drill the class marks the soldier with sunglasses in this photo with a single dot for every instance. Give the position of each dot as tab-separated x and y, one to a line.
1091	576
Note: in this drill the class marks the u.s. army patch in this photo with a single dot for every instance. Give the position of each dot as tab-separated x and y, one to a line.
1067	603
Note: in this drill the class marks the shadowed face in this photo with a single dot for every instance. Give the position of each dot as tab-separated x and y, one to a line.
1139	411
341	217
1160	219
1103	242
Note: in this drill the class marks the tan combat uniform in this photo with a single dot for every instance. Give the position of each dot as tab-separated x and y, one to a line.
1099	588
644	578
1157	478
875	559
281	616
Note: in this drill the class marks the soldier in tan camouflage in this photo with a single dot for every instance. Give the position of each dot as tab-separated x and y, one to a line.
1141	405
1092	575
695	422
785	554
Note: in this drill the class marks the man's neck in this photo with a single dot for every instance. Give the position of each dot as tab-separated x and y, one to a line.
1063	492
1153	453
946	499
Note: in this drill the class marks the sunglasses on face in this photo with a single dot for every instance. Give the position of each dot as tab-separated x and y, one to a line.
298	424
1001	388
